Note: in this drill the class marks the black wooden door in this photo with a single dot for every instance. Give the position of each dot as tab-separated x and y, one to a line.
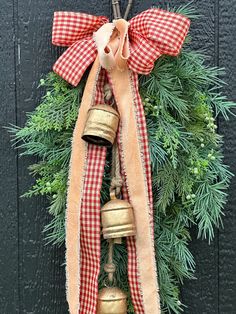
32	278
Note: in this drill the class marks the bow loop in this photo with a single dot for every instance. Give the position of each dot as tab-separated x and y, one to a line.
69	27
75	30
75	60
139	43
152	33
113	44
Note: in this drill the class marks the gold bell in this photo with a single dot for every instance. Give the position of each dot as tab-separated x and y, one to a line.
117	219
101	125
112	300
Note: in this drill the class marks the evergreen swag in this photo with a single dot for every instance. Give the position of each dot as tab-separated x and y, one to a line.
190	180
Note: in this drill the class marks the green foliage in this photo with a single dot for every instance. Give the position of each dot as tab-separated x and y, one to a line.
188	10
190	179
47	135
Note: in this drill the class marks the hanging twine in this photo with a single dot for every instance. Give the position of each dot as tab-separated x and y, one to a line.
115	187
110	267
116	181
107	93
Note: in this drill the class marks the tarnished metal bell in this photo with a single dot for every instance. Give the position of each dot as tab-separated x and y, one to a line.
112	300
117	219
101	125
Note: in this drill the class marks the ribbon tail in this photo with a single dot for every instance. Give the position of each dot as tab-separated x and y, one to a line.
133	165
78	165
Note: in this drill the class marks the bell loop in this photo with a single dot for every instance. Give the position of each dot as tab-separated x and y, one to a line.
107	92
116	182
110	268
115	188
113	194
108	283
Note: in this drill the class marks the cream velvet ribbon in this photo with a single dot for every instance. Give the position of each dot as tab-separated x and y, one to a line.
113	52
78	164
113	45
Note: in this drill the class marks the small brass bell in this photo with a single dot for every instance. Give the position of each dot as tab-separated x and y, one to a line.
112	300
117	219
101	125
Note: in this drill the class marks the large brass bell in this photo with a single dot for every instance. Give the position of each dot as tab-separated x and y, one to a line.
101	125
117	219
112	300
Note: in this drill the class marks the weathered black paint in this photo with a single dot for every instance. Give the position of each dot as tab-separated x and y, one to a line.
31	277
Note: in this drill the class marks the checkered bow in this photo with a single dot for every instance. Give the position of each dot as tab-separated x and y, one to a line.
151	33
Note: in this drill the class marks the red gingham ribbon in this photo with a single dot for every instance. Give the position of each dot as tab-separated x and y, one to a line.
152	33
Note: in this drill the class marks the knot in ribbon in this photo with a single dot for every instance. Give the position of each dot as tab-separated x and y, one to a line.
147	36
119	52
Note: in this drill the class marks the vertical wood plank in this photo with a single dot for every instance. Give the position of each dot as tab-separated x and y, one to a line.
42	278
201	295
227	236
8	170
41	275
